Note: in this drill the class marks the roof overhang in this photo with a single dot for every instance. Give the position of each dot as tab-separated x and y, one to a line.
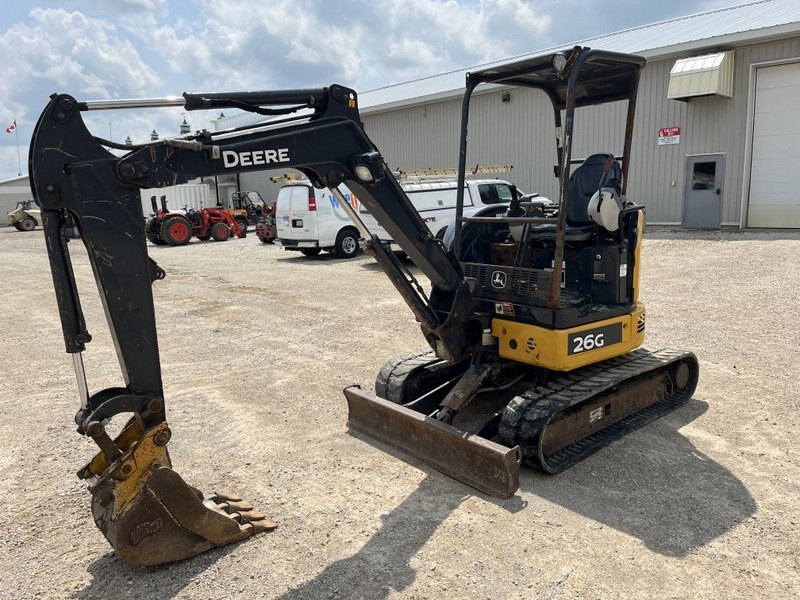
13	180
707	75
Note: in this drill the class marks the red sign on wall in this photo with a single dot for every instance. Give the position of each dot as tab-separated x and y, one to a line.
669	135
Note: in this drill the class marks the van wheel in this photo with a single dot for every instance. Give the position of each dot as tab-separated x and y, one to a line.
346	244
310	251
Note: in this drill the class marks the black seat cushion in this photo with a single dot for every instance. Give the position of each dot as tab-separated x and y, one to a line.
572	233
585	181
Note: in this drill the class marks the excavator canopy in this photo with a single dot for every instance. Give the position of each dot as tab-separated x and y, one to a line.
604	76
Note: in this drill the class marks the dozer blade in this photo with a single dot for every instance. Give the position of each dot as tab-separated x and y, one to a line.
150	515
471	459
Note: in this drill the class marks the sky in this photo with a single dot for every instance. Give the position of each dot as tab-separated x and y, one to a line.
120	49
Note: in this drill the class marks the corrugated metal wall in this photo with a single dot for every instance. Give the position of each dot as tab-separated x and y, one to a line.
500	133
259	181
510	133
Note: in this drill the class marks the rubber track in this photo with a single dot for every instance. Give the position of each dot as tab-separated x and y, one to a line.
527	416
392	376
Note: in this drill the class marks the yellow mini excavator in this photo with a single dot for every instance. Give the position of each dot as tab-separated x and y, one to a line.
541	312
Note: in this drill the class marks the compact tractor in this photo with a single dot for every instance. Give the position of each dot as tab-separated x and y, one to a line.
176	228
26	216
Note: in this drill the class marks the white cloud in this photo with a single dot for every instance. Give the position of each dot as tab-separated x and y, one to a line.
68	51
65	51
308	42
147	48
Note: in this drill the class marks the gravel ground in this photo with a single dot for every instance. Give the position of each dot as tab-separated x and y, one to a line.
256	346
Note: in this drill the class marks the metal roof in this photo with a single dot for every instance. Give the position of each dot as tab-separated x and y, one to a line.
752	21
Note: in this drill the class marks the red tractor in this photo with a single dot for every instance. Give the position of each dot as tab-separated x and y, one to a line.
176	228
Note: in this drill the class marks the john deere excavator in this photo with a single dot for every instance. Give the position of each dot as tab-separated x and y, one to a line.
541	312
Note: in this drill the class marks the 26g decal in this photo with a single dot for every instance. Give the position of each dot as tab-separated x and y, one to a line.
591	339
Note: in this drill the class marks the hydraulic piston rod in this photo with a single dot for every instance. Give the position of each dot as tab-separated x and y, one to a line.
133	103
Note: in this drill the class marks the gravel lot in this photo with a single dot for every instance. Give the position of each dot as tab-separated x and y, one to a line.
256	346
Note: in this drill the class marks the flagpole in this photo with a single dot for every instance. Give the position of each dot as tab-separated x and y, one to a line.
19	161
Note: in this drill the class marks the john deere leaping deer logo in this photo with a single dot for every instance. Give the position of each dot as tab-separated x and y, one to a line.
499	279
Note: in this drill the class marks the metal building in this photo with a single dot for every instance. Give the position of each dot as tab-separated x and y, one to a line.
13	190
717	137
723	150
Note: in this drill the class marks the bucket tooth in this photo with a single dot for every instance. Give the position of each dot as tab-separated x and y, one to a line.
235	506
471	459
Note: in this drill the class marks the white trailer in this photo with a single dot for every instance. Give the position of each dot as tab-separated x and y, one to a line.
191	195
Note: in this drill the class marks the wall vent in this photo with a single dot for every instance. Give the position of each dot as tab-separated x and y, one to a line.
708	75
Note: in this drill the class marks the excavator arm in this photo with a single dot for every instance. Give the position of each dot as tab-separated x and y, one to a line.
145	509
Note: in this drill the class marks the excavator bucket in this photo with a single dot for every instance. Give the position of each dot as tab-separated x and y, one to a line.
150	515
473	460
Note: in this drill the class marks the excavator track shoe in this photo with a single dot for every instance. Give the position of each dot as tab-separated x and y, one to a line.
151	516
478	462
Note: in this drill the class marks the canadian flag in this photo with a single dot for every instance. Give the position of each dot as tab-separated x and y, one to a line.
11	127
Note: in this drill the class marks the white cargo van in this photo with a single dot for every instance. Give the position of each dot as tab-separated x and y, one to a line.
310	220
436	203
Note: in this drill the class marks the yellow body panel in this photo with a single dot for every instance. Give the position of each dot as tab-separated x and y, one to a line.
568	349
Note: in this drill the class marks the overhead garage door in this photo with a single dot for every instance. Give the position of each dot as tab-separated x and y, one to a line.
775	172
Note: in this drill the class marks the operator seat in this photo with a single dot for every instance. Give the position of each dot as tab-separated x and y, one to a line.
598	170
